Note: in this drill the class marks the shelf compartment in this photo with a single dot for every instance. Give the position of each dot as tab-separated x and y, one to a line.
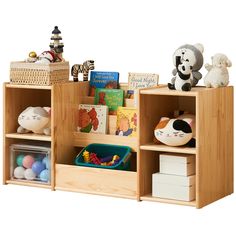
84	139
96	181
30	136
165	148
149	197
28	183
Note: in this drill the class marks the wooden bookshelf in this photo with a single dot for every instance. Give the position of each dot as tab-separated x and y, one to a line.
29	136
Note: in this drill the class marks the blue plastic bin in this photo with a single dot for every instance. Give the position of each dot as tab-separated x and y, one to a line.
103	150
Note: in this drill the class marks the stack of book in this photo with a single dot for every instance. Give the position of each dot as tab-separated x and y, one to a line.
176	179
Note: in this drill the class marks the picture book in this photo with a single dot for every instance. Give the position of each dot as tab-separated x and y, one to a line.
142	80
92	118
113	98
126	121
103	79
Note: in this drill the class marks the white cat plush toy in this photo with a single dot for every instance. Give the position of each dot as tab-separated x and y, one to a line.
36	120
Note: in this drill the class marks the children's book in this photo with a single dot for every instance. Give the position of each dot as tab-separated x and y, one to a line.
142	80
126	121
92	118
103	79
113	98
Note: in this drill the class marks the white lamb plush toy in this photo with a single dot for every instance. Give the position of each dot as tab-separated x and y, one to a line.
217	75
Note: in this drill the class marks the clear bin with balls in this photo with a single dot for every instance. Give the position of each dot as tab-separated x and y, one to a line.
31	163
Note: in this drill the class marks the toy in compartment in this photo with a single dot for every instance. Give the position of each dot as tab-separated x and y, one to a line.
36	120
178	131
104	156
30	163
103	79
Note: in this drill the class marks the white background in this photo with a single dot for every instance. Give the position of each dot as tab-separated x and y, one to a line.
125	36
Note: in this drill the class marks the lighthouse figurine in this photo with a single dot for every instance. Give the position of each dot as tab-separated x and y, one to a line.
56	46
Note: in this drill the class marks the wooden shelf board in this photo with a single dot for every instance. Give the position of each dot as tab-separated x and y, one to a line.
95	193
149	197
84	139
28	183
166	91
24	86
29	136
165	148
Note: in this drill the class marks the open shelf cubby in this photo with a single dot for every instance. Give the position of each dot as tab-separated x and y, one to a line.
214	139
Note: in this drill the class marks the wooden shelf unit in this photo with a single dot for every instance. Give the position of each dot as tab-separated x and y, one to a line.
213	152
93	180
62	99
214	135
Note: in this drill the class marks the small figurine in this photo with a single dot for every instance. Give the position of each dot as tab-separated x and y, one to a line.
32	57
86	156
82	68
217	75
46	57
56	46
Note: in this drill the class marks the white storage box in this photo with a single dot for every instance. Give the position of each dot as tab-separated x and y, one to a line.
177	164
173	186
30	163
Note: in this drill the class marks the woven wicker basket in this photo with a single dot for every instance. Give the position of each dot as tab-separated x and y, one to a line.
39	74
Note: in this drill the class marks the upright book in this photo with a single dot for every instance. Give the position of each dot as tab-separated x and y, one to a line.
113	98
92	118
103	79
126	121
142	80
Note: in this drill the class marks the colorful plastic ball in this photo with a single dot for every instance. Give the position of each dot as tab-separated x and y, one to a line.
44	176
29	174
28	161
19	172
38	167
46	162
19	159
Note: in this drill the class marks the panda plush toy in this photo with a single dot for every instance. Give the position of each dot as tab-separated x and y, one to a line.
188	60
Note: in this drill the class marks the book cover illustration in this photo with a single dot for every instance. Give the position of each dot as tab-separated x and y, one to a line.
103	79
113	98
92	119
142	80
126	121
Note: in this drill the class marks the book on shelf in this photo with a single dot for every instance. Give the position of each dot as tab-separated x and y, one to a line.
92	118
103	79
126	121
142	80
113	98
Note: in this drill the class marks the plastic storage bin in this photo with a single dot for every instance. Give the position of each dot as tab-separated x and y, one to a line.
103	150
30	163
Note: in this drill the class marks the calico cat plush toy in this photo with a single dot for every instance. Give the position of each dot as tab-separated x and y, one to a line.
176	132
36	120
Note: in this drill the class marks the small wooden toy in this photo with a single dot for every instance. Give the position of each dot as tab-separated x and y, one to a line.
82	68
86	156
56	46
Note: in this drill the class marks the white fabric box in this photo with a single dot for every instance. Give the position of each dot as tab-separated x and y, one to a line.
177	164
173	186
